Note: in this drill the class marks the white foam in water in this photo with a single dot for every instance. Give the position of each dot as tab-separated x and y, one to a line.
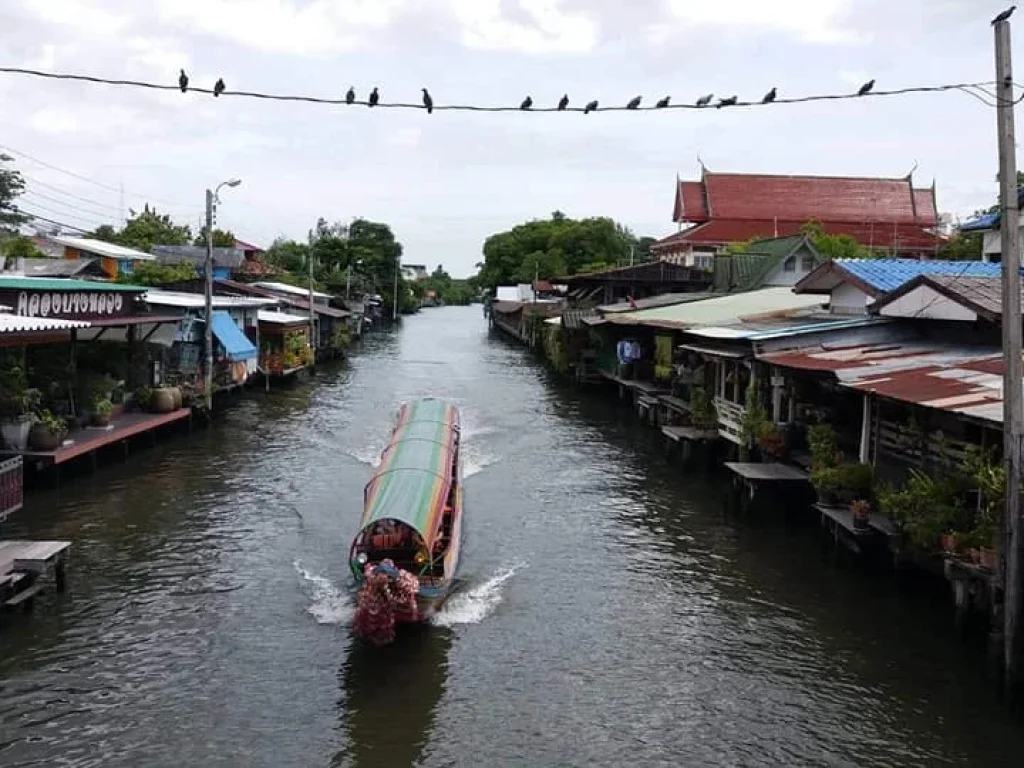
474	604
330	605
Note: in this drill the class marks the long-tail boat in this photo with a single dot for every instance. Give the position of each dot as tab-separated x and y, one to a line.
405	556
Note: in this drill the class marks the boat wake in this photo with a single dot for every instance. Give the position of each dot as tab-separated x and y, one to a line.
473	604
474	462
329	605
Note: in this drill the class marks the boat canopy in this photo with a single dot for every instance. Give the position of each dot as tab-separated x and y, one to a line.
414	478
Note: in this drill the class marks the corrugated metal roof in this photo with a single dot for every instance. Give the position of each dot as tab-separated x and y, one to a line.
887	275
280	318
786	327
294	290
101	248
198	301
719	310
196	254
54	267
959	379
663	300
19	283
22	324
981	295
296	302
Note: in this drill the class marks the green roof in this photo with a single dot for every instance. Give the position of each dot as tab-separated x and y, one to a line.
747	271
719	310
60	284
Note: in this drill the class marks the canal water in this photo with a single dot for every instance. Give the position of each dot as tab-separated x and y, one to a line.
609	615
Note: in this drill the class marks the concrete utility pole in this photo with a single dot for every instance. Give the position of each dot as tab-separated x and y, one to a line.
1013	375
394	306
211	201
312	312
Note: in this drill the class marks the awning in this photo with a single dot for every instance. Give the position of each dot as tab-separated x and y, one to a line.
236	344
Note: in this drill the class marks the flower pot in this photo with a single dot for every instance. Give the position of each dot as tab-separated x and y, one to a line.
176	394
100	420
861	515
163	400
988	558
949	543
42	438
15	433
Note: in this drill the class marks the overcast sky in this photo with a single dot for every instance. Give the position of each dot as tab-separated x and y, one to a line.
446	181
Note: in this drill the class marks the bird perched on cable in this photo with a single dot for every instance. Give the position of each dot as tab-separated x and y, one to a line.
428	102
1004	15
374	98
703	101
729	102
183	81
591	106
663	103
527	103
218	87
770	96
634	103
350	96
866	88
563	103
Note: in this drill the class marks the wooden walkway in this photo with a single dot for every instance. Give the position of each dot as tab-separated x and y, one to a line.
23	564
91	439
676	434
757	472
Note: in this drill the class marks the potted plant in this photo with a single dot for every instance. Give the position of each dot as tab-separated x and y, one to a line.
827	481
101	410
950	542
144	397
772	440
48	432
860	510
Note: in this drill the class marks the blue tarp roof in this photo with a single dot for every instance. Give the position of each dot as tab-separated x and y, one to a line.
236	344
990	220
889	274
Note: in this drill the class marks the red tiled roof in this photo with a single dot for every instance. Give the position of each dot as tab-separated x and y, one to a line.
802	198
908	237
244	246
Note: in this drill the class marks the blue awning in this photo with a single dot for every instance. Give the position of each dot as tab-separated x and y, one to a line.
236	344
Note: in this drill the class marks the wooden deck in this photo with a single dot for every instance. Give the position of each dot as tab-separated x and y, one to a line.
675	404
689	433
85	441
756	472
24	563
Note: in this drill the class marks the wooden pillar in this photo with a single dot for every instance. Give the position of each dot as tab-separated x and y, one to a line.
777	384
60	575
736	382
865	431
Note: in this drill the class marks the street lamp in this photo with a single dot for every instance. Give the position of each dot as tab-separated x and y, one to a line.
211	201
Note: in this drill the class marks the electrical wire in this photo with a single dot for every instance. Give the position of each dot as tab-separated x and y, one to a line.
63	214
29	191
37	217
478	107
32	182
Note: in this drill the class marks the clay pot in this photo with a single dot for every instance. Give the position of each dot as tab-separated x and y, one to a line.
41	438
163	399
176	393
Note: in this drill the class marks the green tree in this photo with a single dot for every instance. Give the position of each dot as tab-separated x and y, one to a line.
154	274
834	246
12	184
962	246
221	238
147	228
106	233
287	255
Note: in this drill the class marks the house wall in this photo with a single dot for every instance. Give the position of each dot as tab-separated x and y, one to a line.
847	299
801	263
927	303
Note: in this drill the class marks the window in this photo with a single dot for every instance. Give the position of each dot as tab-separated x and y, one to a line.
789	265
807	262
703	261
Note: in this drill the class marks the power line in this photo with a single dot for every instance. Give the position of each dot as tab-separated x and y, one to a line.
93	181
47	209
485	108
37	217
71	206
32	182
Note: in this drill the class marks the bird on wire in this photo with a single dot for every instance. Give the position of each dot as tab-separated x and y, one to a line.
663	103
866	88
183	81
591	106
218	87
374	97
703	101
563	103
770	96
1004	16
350	96
729	102
527	103
634	103
428	102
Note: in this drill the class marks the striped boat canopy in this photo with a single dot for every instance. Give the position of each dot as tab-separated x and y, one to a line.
416	470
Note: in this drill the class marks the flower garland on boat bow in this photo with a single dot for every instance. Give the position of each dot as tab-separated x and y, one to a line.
387	591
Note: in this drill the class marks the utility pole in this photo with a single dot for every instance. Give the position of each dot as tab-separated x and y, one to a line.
208	292
1013	373
394	306
312	312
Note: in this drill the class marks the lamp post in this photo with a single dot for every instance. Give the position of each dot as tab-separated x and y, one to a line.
211	201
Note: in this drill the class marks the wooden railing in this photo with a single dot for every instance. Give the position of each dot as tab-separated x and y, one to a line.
11	486
730	419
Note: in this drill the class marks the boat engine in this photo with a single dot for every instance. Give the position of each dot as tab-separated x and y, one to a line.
387	593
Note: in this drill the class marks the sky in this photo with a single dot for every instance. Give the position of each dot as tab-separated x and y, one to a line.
446	181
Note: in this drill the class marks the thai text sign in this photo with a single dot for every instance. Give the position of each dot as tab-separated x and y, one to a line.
68	305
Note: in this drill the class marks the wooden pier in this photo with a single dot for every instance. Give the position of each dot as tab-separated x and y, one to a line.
26	566
751	478
837	522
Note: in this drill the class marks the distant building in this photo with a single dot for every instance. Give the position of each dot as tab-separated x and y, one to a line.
724	208
226	261
414	272
115	260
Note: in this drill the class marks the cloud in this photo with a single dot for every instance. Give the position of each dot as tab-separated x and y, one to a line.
83	15
814	21
546	28
405	137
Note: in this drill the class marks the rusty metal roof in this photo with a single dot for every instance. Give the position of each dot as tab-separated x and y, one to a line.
966	380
